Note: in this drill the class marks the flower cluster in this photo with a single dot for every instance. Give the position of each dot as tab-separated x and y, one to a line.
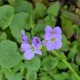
30	50
52	40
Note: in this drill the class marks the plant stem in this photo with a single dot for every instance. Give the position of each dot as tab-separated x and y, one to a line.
69	66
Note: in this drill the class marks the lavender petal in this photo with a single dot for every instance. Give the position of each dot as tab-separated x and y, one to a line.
50	45
25	46
28	55
24	37
57	30
37	51
48	29
58	44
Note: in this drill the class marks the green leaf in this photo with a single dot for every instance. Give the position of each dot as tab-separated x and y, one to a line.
3	36
66	75
50	20
78	42
62	66
72	52
58	77
39	11
49	63
20	21
75	67
18	67
6	15
9	57
45	78
65	43
77	32
33	64
71	16
73	77
44	51
11	2
43	74
78	59
31	75
22	6
54	9
10	75
17	76
67	27
39	27
1	75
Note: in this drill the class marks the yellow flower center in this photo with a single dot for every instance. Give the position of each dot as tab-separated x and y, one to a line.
53	39
32	48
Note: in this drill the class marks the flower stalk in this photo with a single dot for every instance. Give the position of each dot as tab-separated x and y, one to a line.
69	66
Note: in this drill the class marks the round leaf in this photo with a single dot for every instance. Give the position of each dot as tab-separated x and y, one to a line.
3	36
62	66
66	75
78	59
39	11
9	56
50	20
49	63
45	78
66	43
33	65
22	6
6	15
31	75
53	9
19	22
58	77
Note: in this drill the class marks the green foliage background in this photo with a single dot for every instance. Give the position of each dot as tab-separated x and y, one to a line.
33	16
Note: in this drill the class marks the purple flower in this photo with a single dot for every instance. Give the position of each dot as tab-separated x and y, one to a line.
25	46
36	43
52	38
24	37
49	31
56	30
30	50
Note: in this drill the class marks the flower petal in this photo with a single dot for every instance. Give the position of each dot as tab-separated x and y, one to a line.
58	44
24	37
48	29
56	36
50	45
36	42
25	46
57	30
37	51
28	55
46	36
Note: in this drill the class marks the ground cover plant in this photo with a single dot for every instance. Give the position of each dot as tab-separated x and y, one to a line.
39	39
